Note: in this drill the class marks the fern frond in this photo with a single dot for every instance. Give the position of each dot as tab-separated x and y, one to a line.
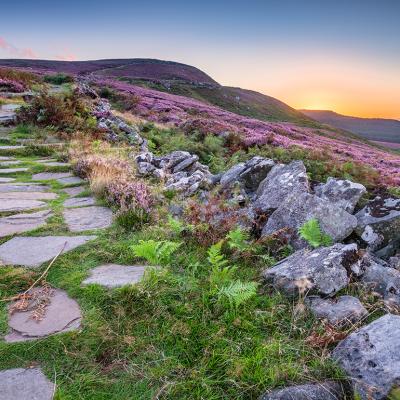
311	232
238	292
237	239
175	225
215	256
156	253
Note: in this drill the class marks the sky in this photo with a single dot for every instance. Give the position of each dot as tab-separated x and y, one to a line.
338	55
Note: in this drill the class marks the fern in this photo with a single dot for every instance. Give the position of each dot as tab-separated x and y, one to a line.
237	292
237	239
311	232
156	253
215	258
175	225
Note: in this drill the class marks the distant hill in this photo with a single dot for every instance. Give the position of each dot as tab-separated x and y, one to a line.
176	78
376	129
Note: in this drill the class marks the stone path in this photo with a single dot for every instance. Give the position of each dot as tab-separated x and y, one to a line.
28	195
79	202
34	251
12	170
23	187
6	180
46	176
13	205
114	275
11	147
25	384
74	191
11	162
70	180
61	315
87	218
20	223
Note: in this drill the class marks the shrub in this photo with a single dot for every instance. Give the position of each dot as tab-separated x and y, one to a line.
58	79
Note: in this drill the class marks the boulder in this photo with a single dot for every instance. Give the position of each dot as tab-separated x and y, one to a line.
295	211
232	175
340	311
343	193
322	271
282	183
255	172
378	224
313	391
371	358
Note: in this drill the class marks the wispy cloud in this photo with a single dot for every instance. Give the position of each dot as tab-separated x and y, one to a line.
15	51
66	55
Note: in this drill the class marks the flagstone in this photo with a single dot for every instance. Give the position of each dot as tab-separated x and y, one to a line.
10	205
23	187
79	202
87	218
34	251
74	191
6	180
28	195
20	223
70	180
12	170
7	163
46	176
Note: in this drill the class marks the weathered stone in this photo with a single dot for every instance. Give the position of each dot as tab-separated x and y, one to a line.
56	164
339	311
79	202
6	180
7	163
88	218
27	196
311	391
23	187
34	251
185	164
113	275
70	180
283	182
343	193
25	384
145	168
174	158
12	205
11	147
322	271
255	172
232	175
20	223
12	170
6	158
379	223
46	176
371	358
62	314
294	212
74	191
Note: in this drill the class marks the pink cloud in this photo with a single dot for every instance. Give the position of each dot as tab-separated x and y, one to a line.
66	55
15	51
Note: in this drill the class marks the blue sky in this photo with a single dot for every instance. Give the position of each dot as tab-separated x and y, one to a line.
294	50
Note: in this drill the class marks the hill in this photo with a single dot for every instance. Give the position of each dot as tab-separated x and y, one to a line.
176	78
376	129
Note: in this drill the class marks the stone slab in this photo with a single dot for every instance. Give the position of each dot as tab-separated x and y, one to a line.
114	275
23	187
6	158
12	170
11	147
56	164
74	191
6	180
70	180
7	163
79	202
62	314
87	218
20	223
34	251
46	176
12	205
25	384
28	195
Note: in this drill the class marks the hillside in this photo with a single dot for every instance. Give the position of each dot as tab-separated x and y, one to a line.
174	78
376	129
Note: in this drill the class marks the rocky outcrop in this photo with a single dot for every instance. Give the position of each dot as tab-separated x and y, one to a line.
342	193
378	225
296	210
322	271
371	358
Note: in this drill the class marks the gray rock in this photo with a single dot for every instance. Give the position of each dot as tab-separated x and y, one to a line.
371	358
46	176
13	205
87	218
25	384
113	275
70	180
79	202
74	191
20	223
56	164
27	196
185	164
343	193
313	391
23	187
256	170
34	251
282	183
61	315
11	147
322	271
394	262
174	158
340	311
145	168
232	175
379	223
12	170
294	212
6	180
6	158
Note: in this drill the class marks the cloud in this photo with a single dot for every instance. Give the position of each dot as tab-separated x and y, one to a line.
66	55
15	51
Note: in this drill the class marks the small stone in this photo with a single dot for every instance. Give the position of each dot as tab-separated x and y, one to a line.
62	314
371	358
12	205
74	191
25	384
20	223
340	311
113	275
79	202
34	251
185	164
12	170
88	218
46	176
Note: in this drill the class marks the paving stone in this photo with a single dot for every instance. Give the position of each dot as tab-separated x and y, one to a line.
34	251
23	187
87	218
46	176
20	223
6	180
12	170
62	314
74	191
114	275
11	147
56	164
79	202
7	163
28	195
6	158
12	205
25	384
70	180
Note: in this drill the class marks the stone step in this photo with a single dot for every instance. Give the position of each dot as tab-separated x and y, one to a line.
12	170
87	218
79	202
